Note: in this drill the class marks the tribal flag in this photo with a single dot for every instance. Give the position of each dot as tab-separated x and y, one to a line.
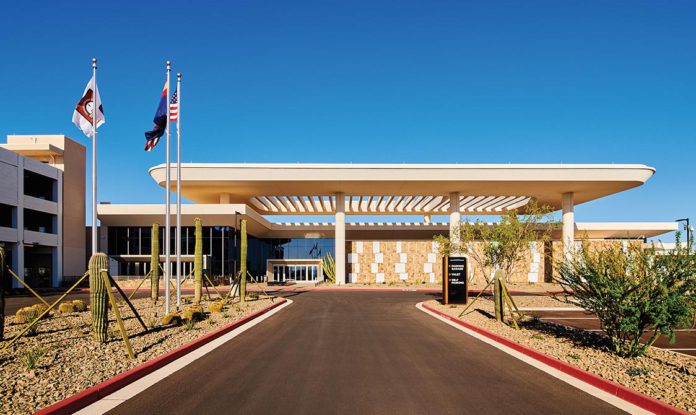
152	137
174	107
82	116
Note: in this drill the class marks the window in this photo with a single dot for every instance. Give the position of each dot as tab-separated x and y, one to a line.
7	218
39	186
302	248
39	221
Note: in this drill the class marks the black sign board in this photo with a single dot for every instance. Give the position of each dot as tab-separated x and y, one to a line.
455	285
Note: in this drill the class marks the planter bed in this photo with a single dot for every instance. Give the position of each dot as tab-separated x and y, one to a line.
661	374
72	361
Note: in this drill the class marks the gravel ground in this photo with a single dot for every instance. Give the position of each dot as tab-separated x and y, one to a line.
72	361
540	301
664	375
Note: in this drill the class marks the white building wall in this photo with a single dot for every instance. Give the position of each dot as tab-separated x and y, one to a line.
12	167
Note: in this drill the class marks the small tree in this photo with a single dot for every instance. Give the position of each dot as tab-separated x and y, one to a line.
633	290
501	246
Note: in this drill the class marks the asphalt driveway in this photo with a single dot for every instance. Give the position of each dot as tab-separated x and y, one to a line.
359	353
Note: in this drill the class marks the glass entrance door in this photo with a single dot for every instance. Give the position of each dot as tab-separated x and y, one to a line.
300	273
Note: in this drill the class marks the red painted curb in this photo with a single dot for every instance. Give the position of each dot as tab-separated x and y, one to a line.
636	398
109	386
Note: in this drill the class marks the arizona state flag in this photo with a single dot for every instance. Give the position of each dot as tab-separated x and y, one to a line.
85	109
152	137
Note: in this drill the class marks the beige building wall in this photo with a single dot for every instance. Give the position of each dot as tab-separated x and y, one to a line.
419	262
392	261
70	158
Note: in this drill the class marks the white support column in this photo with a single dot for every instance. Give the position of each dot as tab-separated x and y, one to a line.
454	216
340	238
568	224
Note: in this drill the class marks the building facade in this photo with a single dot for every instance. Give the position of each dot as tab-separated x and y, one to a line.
377	221
379	246
44	241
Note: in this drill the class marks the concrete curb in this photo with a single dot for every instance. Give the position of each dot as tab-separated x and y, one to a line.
353	289
622	392
109	386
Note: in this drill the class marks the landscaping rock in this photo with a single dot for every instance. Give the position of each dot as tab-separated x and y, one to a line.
73	361
662	374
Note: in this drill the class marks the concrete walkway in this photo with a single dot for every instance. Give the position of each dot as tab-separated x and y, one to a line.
359	353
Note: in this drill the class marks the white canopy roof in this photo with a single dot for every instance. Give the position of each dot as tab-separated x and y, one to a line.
306	189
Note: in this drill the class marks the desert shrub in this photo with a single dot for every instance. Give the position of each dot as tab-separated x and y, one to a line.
637	371
633	290
32	357
189	324
151	322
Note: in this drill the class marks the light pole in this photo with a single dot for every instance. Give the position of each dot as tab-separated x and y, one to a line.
688	231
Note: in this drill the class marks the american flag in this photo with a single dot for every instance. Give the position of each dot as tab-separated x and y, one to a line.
174	107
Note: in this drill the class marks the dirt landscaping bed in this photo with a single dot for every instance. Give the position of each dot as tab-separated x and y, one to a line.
69	361
664	375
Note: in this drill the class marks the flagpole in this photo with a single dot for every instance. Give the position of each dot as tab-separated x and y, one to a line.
178	191
95	114
167	208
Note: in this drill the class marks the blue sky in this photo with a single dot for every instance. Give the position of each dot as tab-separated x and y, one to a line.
370	81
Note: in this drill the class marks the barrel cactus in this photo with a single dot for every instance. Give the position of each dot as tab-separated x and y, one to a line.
67	307
173	319
2	297
215	307
154	263
243	262
98	297
193	312
80	305
198	262
28	314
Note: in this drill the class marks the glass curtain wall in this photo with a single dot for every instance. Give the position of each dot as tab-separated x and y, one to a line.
220	243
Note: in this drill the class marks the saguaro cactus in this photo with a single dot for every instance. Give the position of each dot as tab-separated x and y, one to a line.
2	298
498	295
243	262
154	263
198	261
98	297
